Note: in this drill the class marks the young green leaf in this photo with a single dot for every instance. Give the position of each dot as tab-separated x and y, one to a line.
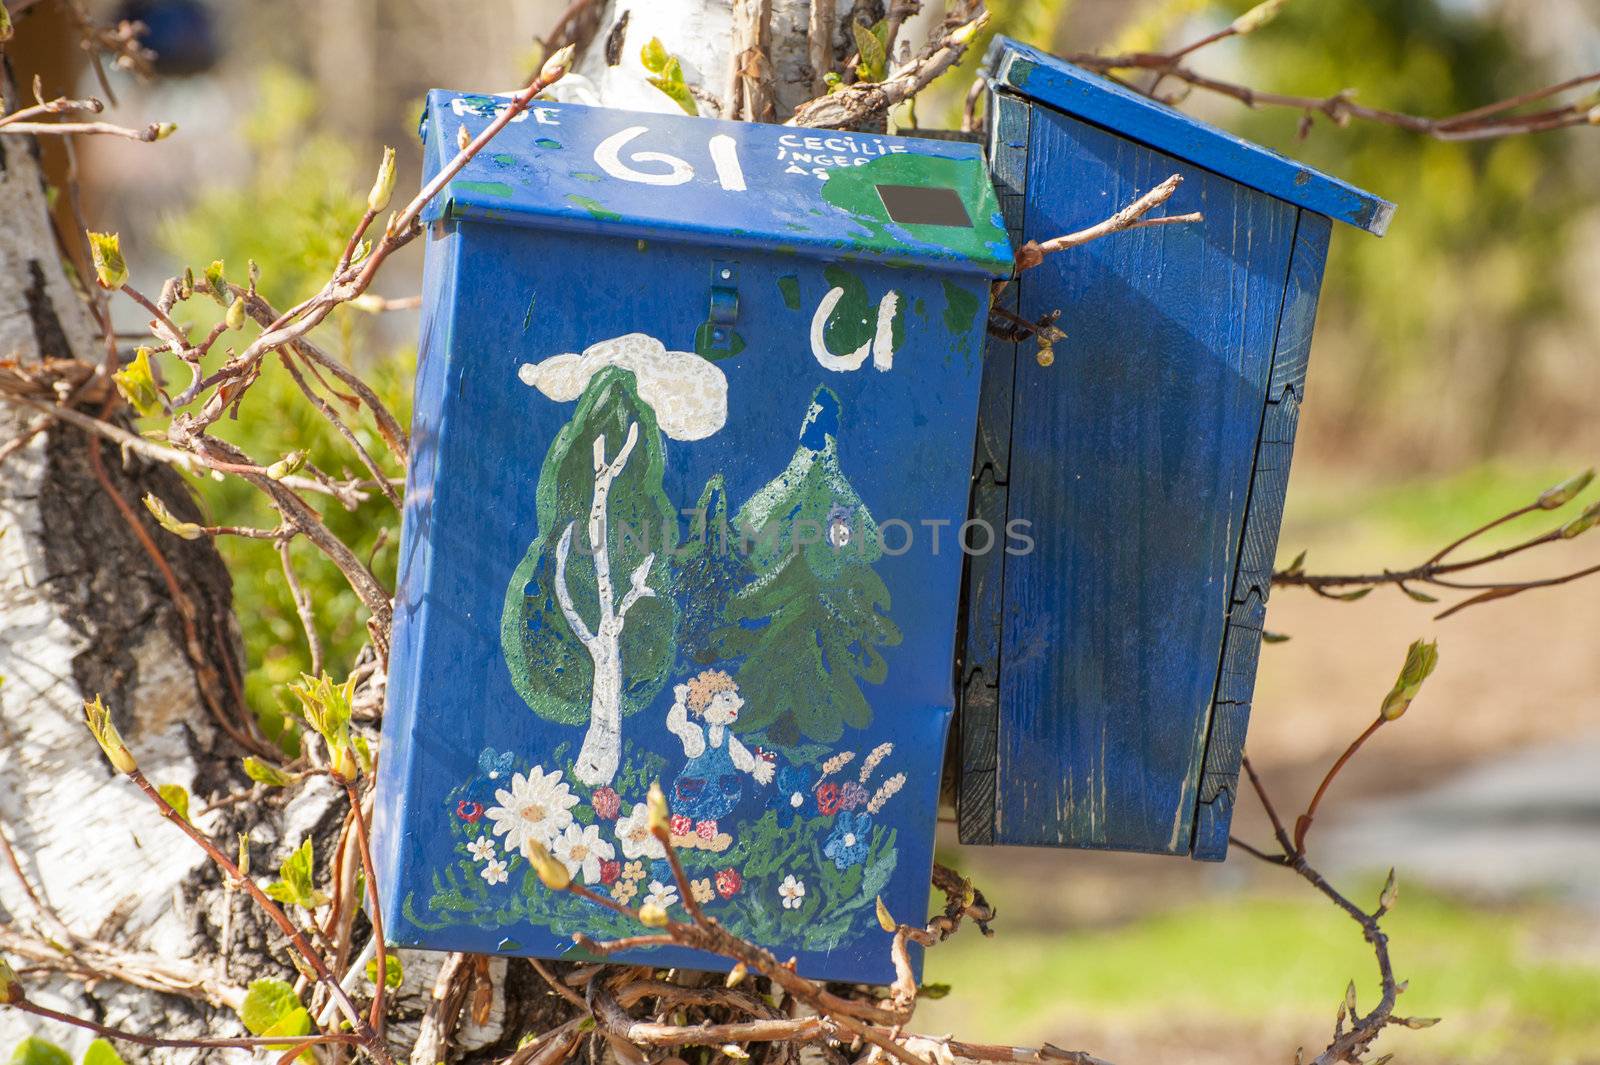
271	1008
137	384
654	55
5	24
101	1052
177	797
36	1051
363	752
670	81
1421	658
169	521
296	885
216	284
874	62
98	718
326	708
266	773
109	267
394	974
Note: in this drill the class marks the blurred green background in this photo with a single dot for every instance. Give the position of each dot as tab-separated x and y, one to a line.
1454	376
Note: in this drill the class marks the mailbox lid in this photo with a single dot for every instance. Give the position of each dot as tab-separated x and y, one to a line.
1058	84
821	193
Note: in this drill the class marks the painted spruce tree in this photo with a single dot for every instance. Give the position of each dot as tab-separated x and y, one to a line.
808	627
588	629
708	569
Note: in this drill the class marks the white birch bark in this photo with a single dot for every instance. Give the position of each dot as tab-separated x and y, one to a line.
72	626
700	34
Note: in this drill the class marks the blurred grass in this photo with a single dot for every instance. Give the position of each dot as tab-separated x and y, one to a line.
1345	521
1245	959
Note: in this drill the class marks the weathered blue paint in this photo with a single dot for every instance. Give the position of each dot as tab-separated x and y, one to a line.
1107	674
550	170
1075	91
834	653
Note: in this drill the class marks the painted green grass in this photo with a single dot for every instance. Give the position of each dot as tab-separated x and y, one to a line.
1247	959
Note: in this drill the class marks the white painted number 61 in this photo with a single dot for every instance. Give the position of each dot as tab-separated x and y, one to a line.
724	158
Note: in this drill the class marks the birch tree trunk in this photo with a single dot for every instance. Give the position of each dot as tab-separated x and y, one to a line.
702	35
84	610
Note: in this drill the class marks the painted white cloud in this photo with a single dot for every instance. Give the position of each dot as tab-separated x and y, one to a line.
688	393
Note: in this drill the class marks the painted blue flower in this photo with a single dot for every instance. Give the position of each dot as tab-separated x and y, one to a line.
492	765
847	844
790	796
661	870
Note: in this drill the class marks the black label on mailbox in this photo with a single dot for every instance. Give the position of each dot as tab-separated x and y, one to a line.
917	205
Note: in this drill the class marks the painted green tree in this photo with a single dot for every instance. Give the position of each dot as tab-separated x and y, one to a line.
578	648
808	627
708	570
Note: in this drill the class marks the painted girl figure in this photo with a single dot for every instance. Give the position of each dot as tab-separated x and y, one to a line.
711	784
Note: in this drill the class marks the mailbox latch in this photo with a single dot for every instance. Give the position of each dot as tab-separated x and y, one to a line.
723	311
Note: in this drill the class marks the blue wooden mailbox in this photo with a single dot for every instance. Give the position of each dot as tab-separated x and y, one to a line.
695	401
1107	673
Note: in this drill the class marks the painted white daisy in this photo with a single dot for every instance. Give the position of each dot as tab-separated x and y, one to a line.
581	849
663	895
633	832
537	807
494	872
481	848
792	892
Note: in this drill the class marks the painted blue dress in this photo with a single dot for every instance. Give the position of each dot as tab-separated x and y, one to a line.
708	787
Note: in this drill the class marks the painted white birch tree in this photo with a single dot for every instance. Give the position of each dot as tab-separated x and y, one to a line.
602	744
580	650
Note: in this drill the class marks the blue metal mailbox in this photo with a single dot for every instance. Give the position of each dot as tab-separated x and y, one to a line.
1107	674
695	400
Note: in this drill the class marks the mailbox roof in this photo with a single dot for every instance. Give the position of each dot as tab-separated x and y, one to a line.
726	184
1058	84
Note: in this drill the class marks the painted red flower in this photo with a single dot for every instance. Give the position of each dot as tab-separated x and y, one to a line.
681	825
610	871
469	811
729	882
607	803
828	798
706	830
